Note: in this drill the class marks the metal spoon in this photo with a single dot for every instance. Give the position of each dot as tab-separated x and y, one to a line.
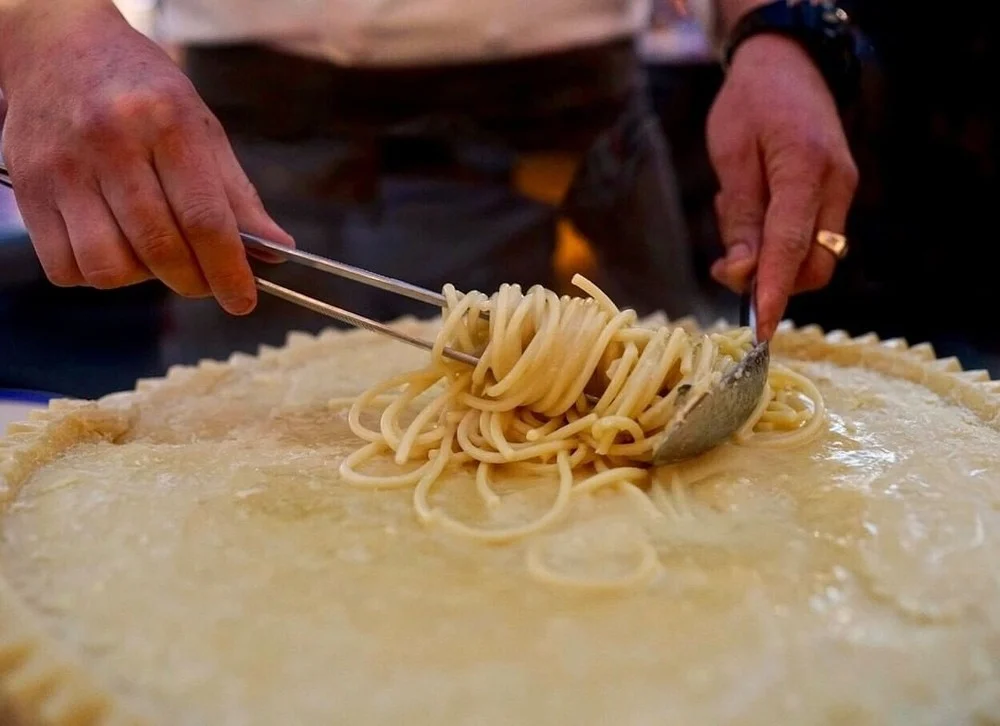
706	420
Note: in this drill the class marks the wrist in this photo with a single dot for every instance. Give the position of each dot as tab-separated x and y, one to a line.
821	30
26	26
770	45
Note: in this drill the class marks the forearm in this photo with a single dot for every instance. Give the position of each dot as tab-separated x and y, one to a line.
23	22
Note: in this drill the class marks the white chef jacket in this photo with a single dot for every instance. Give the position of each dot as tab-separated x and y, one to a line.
408	32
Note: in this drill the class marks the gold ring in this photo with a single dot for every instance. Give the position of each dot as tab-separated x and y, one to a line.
834	243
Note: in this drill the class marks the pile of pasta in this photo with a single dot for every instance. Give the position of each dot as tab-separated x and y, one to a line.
567	388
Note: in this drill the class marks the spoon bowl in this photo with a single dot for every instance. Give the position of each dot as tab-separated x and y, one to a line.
705	420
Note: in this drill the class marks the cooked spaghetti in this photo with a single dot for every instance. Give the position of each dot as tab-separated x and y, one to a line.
570	388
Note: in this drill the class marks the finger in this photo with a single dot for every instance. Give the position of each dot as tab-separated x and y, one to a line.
49	237
102	252
789	226
819	266
741	221
740	207
247	206
190	176
137	201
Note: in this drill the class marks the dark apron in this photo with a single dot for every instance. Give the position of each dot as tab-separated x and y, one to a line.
407	172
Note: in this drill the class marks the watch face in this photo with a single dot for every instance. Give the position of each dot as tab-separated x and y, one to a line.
835	15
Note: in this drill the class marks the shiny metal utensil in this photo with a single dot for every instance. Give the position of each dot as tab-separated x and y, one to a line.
356	274
706	420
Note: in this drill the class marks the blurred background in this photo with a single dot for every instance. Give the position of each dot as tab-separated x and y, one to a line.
591	161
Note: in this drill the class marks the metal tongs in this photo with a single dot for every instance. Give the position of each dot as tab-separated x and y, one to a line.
703	421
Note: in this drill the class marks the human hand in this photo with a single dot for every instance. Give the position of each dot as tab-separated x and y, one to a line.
121	172
785	172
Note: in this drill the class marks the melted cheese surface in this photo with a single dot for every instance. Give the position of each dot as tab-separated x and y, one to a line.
208	567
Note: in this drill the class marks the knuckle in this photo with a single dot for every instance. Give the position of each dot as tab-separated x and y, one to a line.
812	148
791	239
97	124
741	211
802	156
213	126
229	281
158	247
204	217
63	167
249	190
730	153
156	105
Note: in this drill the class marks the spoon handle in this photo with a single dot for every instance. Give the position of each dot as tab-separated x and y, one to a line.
748	309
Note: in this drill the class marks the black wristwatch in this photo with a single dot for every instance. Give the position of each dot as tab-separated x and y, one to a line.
824	31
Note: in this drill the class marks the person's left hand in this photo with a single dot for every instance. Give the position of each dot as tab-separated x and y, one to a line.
785	172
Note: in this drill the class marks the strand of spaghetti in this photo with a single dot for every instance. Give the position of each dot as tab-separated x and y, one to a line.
415	433
580	456
641	500
611	476
350	474
805	432
596	293
611	426
552	430
435	466
365	399
590	365
392	431
582	319
506	379
647	567
490	498
347	401
623	367
650	371
523	453
491	425
452	321
439	518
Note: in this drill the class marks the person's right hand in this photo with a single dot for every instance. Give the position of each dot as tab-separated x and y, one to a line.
121	172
